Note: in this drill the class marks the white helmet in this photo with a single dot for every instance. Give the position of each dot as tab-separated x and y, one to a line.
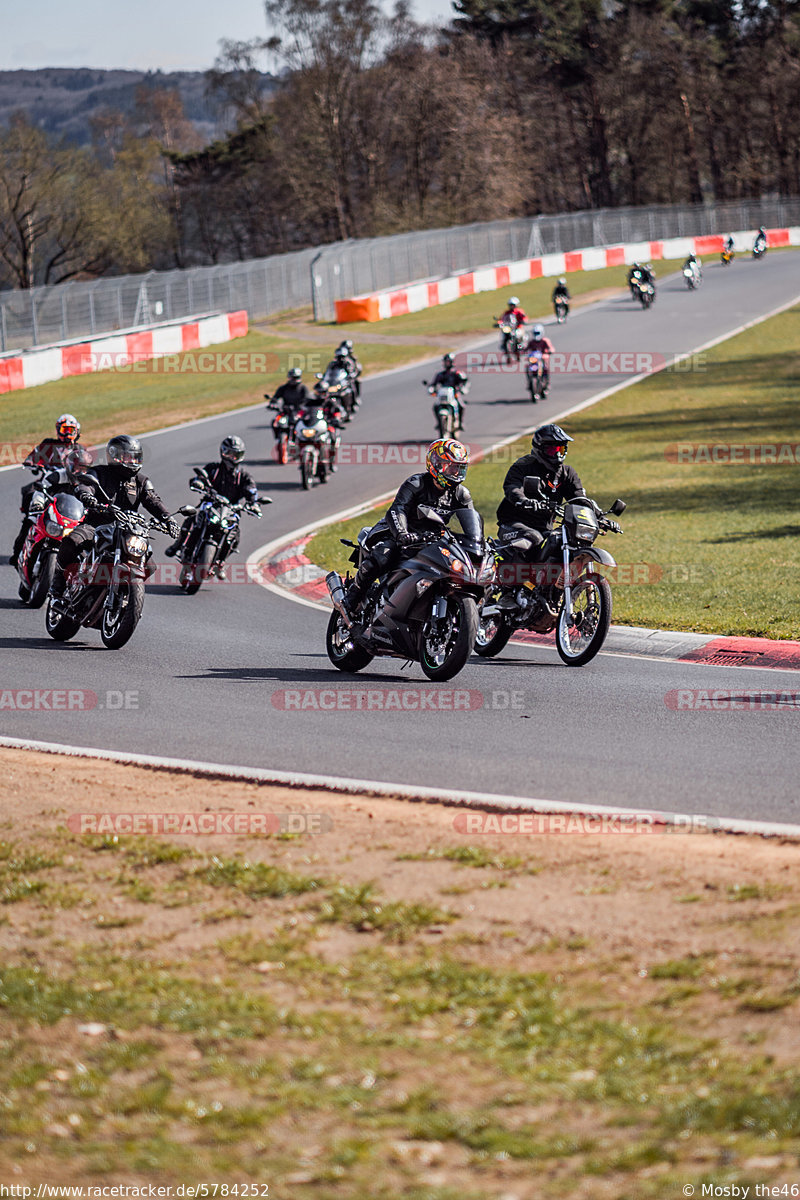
538	331
563	281
513	301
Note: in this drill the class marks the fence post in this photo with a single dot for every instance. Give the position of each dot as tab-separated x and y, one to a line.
3	329
34	321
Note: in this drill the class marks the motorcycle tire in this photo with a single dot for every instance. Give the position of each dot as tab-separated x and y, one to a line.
492	636
118	628
461	648
350	661
283	452
568	652
43	582
60	627
195	574
306	472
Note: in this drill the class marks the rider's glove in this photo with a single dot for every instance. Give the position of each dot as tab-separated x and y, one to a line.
614	527
534	505
407	539
173	528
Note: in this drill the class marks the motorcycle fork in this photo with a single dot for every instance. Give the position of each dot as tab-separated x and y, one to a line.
567	578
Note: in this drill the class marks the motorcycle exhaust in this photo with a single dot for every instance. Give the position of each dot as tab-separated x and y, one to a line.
335	587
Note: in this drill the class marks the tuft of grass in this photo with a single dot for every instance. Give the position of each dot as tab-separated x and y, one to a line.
358	907
679	968
257	881
467	856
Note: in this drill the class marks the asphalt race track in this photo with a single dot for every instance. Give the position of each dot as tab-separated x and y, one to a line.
205	674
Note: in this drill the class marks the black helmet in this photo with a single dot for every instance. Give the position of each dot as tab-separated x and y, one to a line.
448	359
549	446
231	450
125	453
78	460
295	374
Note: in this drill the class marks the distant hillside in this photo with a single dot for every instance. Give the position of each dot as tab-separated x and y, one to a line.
62	99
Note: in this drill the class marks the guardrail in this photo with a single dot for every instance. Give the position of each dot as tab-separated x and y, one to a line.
324	274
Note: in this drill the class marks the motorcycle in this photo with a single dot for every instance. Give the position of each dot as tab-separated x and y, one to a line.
535	377
445	409
340	388
512	338
215	529
556	587
107	589
693	278
561	307
426	611
53	514
759	248
316	445
726	257
644	292
282	430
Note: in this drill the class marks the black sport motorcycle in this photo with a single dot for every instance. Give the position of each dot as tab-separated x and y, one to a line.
317	442
106	592
561	308
214	533
426	611
554	587
644	292
339	388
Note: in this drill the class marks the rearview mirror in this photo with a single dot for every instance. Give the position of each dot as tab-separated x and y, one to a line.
187	510
618	508
426	513
532	487
265	500
200	473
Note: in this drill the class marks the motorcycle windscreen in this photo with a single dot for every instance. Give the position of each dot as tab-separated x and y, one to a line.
470	521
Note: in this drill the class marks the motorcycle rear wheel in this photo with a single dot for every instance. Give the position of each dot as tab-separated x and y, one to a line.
580	634
336	640
117	628
492	636
459	644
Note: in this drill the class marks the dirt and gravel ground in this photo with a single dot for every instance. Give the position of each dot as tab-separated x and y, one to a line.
389	1006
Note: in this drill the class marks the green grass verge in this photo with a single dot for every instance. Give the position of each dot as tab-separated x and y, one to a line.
714	546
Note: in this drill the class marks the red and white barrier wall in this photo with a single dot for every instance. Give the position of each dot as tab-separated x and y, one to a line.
429	293
59	361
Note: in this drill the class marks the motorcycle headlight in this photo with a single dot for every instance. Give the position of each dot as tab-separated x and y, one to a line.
53	529
135	546
309	433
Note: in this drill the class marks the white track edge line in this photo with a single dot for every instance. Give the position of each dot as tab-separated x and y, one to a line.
464	799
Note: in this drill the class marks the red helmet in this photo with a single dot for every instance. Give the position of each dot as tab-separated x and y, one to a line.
447	461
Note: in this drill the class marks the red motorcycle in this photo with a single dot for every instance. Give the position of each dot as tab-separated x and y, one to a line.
282	429
53	517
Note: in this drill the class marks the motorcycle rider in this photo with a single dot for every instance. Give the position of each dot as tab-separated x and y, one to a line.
334	414
449	377
344	353
293	395
561	293
51	452
729	244
520	515
539	342
123	482
227	478
440	487
760	244
513	310
693	265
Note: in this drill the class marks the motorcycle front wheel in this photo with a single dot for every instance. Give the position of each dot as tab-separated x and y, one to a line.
444	652
493	634
582	630
43	581
195	574
119	622
61	628
341	651
306	470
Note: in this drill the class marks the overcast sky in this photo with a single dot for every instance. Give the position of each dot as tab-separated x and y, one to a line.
147	34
